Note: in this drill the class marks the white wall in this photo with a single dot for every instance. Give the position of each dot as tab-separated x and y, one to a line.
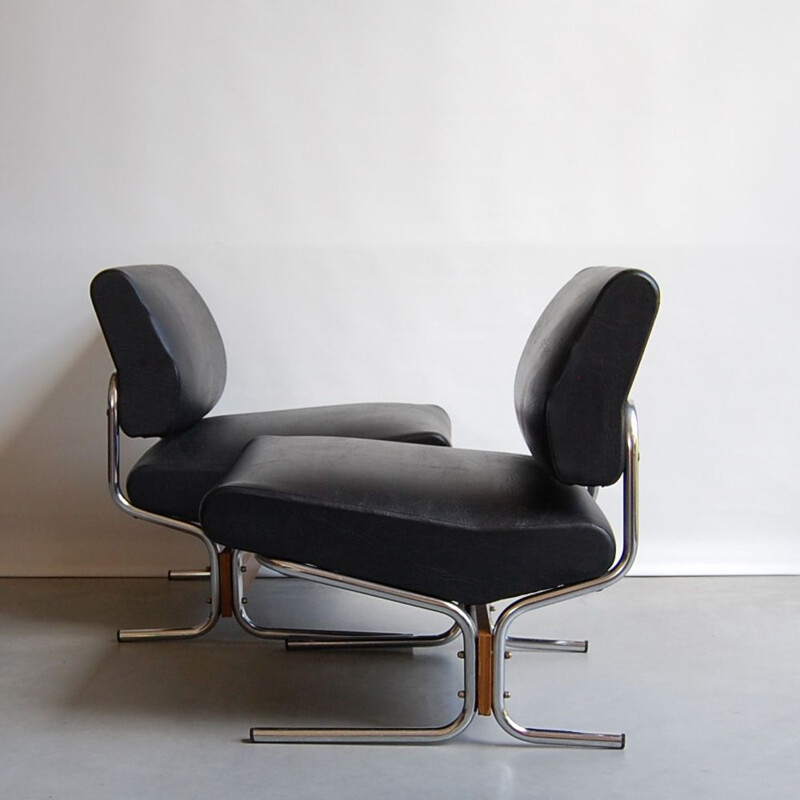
377	199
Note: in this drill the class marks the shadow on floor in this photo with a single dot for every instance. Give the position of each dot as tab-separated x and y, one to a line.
54	504
230	675
261	683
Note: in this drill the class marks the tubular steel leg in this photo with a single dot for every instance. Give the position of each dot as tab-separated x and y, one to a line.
310	638
122	502
150	634
560	645
543	736
383	735
375	641
188	574
549	645
617	572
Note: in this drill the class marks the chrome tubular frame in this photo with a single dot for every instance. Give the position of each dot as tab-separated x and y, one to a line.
539	600
501	641
557	645
460	619
294	637
286	634
187	575
121	501
374	641
310	638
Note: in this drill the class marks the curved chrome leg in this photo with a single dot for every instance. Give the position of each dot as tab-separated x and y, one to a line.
543	736
310	638
122	502
618	571
261	632
383	735
150	634
547	645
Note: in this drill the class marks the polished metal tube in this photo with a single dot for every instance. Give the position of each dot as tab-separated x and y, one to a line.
557	645
122	502
383	735
283	634
319	639
374	641
188	575
630	542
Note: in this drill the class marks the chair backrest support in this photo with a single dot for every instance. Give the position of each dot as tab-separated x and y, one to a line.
577	369
166	347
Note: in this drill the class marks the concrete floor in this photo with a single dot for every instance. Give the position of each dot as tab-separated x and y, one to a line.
702	675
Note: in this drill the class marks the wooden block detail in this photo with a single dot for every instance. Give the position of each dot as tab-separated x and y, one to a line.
226	583
485	661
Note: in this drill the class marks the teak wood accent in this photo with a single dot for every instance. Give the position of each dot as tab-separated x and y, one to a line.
226	583
485	671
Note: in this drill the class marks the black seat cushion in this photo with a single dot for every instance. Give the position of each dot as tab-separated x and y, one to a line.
461	525
173	475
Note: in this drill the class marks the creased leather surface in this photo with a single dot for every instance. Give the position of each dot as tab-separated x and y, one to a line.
172	477
458	524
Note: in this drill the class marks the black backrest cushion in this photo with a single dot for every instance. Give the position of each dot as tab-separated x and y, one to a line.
577	369
166	347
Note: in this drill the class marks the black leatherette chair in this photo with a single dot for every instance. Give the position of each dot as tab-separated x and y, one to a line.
453	530
170	372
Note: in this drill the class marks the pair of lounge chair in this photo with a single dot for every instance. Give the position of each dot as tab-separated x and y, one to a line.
371	497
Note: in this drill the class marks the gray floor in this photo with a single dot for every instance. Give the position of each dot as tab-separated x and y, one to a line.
702	674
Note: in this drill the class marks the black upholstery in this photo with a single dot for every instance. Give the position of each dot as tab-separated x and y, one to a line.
171	366
464	525
577	369
172	477
456	524
166	347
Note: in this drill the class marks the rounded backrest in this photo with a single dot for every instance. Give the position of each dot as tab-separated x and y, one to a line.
166	347
577	369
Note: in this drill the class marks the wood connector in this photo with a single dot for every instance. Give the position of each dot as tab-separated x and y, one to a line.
485	665
226	583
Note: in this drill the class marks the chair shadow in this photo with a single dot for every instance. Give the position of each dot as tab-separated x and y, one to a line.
56	510
233	677
259	683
